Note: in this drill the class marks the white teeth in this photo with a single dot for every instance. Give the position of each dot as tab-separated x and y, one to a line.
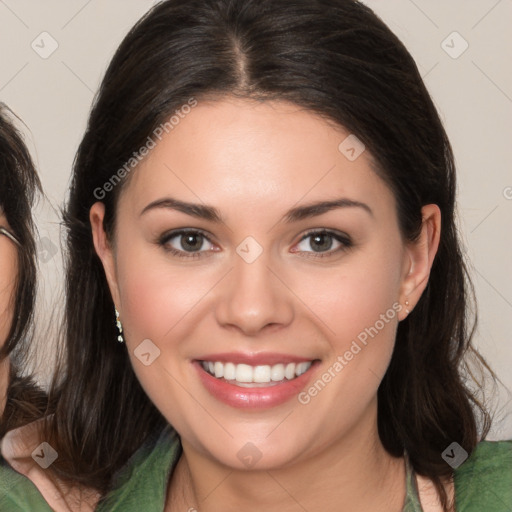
277	372
261	374
229	371
302	368
289	371
244	373
219	370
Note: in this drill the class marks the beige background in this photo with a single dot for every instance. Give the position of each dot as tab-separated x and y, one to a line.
472	88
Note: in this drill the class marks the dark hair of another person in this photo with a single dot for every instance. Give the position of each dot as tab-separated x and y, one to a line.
337	59
18	186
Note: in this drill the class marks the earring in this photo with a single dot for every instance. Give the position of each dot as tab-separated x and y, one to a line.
120	328
406	310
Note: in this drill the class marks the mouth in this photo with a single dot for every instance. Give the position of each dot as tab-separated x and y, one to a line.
236	382
245	375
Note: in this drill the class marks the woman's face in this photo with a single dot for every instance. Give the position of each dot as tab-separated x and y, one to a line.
8	273
252	295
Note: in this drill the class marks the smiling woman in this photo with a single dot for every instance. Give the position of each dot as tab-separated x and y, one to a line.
292	236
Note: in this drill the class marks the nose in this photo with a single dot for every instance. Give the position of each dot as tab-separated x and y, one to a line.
254	297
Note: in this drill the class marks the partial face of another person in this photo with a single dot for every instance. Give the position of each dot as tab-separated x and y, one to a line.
8	273
252	323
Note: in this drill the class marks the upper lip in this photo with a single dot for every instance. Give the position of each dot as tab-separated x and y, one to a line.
259	359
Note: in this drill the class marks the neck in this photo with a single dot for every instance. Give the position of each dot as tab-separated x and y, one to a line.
354	473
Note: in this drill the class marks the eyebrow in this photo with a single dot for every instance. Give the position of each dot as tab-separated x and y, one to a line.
202	211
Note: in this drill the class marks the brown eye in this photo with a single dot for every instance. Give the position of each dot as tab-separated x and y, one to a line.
322	242
182	242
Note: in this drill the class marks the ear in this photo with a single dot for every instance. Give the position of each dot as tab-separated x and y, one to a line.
104	249
418	259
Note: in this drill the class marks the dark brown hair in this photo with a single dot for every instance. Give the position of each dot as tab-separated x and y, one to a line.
18	186
337	59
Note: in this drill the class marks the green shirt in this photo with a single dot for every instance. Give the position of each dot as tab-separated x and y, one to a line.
483	483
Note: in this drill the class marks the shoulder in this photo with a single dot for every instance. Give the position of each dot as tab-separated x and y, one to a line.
25	463
24	486
484	480
18	493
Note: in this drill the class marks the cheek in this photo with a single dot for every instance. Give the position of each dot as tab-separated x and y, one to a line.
358	302
8	272
162	302
156	296
352	296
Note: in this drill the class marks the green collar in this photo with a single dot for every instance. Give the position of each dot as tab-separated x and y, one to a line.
412	499
145	477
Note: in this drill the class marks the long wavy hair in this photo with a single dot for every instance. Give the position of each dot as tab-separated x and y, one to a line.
339	60
19	185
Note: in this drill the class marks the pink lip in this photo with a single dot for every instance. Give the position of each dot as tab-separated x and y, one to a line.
254	398
263	358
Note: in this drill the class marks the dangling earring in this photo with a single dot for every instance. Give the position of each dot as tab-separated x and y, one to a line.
406	310
120	328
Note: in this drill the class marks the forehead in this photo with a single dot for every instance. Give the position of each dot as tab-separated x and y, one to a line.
244	152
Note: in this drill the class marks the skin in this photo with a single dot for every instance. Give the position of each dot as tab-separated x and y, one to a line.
8	273
254	162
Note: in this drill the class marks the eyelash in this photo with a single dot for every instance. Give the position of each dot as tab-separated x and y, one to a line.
344	240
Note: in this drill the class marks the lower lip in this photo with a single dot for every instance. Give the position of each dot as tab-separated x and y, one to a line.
253	398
